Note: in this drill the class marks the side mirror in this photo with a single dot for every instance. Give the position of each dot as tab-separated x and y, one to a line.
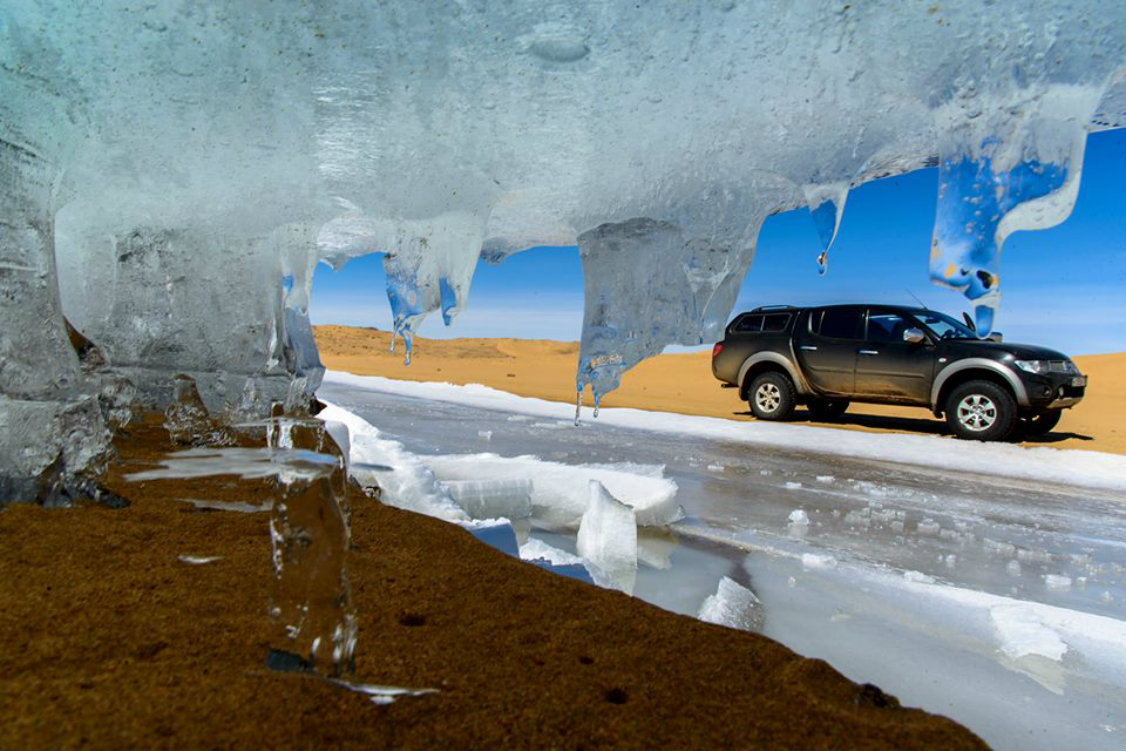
994	336
914	336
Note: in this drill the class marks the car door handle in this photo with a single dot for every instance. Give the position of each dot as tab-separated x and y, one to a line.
868	351
809	348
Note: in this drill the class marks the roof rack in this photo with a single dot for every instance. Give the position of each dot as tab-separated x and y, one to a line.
764	308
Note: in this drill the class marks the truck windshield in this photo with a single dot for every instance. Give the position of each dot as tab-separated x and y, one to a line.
943	326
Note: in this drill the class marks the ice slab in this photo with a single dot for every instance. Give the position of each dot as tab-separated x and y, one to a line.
608	538
558	493
488	499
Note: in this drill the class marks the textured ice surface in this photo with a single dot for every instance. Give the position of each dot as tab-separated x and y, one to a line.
733	605
185	165
608	539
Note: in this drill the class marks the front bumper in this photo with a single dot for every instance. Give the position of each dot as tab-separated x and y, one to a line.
1055	391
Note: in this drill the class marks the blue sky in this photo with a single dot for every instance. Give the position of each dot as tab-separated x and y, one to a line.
1063	287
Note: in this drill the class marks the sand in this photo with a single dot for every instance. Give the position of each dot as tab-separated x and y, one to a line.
684	383
109	641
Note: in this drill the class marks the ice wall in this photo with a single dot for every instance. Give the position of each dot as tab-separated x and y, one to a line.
197	159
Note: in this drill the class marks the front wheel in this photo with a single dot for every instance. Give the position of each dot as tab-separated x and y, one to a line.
981	411
772	397
1042	423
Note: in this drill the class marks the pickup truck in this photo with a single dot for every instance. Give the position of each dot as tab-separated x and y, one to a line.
826	357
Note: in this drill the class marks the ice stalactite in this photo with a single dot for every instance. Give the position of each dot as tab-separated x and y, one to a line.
429	263
430	268
1019	169
826	207
648	284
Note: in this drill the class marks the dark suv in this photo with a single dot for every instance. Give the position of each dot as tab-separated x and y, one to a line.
825	357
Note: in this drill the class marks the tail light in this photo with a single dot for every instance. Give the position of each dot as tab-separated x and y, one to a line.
717	349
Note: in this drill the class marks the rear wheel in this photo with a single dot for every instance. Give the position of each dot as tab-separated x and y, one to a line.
827	409
1041	423
772	397
981	411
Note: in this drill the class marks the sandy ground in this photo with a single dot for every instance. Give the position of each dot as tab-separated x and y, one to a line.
108	640
684	383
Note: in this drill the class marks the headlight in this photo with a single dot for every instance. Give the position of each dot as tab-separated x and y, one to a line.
1039	367
1070	368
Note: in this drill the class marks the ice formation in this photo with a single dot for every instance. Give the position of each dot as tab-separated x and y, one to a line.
172	172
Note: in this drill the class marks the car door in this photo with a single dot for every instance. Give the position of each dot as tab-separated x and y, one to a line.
826	347
887	366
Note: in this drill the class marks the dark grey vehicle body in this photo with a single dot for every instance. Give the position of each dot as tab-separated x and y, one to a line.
860	353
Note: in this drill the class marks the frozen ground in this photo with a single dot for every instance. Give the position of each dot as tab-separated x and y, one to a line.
998	600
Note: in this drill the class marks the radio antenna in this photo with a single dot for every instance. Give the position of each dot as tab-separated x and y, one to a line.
921	303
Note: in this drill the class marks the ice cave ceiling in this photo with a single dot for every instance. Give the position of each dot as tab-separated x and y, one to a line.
196	159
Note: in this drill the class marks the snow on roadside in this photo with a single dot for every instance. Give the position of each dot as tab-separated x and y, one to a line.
1063	466
406	482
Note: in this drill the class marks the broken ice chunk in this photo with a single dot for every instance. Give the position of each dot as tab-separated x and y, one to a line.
799	517
734	606
556	561
496	533
1022	633
608	539
817	560
1057	582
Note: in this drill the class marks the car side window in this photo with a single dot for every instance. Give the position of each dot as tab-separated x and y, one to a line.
839	323
748	325
885	326
776	322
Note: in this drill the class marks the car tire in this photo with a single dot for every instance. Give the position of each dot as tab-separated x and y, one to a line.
827	409
1041	424
981	411
772	396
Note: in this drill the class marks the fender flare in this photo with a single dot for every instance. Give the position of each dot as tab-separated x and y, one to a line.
773	357
978	363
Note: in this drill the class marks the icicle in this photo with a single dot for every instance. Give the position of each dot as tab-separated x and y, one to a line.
826	206
1023	175
578	405
597	400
